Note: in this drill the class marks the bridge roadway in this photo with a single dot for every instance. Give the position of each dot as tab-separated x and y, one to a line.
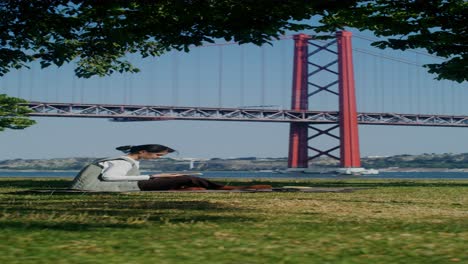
127	113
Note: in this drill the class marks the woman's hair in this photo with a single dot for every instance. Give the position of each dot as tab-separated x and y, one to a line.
155	148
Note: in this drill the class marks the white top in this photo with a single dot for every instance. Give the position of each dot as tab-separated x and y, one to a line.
116	170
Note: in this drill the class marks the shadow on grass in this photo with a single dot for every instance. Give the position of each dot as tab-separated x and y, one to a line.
34	183
357	183
64	226
159	219
124	207
87	214
393	184
371	183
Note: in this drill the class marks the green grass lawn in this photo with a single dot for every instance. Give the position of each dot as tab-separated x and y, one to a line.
391	222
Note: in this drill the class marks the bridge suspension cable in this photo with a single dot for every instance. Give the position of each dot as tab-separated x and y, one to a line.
262	75
220	76
175	78
197	78
370	39
242	75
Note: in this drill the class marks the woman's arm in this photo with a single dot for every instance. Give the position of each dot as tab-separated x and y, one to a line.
116	170
165	175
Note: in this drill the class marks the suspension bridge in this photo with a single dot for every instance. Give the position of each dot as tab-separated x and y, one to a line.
326	75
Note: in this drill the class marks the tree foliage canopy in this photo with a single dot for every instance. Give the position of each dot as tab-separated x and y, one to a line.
99	33
12	114
438	26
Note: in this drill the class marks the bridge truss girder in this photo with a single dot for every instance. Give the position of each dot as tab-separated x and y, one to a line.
128	113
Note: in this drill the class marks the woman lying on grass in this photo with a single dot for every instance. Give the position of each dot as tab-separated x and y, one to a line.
122	174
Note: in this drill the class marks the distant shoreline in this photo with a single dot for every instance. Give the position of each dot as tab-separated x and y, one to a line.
30	170
446	162
380	169
421	170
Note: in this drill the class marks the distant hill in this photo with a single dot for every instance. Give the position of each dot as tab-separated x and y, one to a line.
446	160
166	164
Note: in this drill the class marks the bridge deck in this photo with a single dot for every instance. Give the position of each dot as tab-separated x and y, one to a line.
159	113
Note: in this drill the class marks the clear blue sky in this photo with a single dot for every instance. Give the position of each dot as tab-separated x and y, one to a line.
250	76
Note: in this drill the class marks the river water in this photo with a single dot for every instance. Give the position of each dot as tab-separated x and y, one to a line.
264	174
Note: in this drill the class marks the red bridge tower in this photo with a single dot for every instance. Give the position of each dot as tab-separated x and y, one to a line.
347	123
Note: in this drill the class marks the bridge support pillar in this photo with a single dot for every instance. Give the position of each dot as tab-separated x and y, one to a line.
298	149
349	135
347	121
